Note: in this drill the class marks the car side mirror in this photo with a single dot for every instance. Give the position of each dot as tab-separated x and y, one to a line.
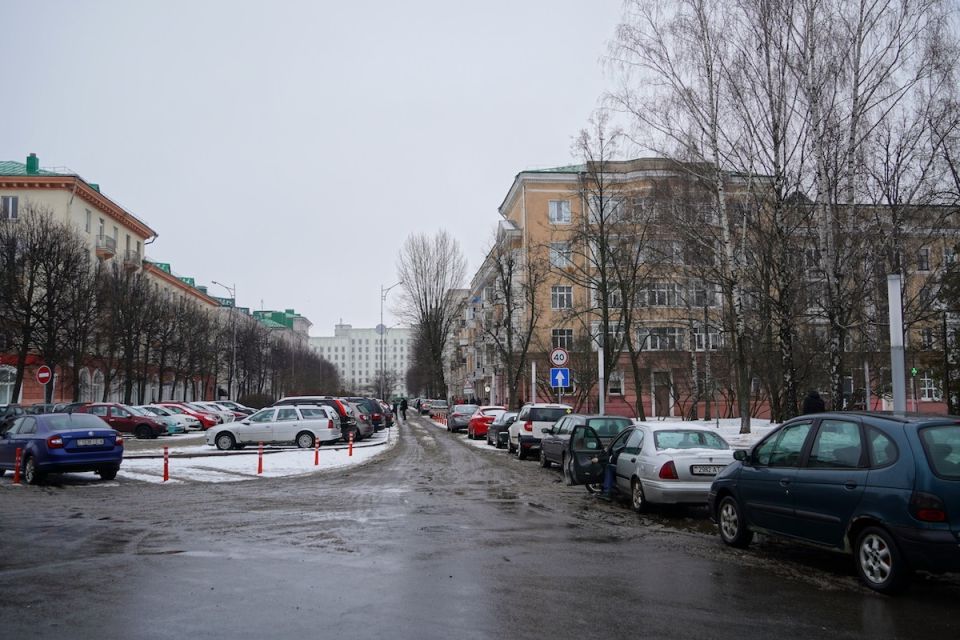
549	430
244	422
741	455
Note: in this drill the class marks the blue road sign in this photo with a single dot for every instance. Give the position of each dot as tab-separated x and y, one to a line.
559	378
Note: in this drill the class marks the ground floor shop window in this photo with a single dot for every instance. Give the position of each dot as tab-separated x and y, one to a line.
8	376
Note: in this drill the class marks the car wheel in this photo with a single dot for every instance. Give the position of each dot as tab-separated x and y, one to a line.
31	475
879	562
510	446
143	432
637	500
305	440
566	464
521	452
544	463
225	441
733	528
2	471
108	473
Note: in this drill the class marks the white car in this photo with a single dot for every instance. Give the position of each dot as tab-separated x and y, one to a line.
527	430
658	463
223	413
187	422
302	426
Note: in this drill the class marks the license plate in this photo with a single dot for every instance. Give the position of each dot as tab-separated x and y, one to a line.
89	442
706	469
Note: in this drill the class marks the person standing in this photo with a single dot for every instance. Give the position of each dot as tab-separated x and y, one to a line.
813	403
403	408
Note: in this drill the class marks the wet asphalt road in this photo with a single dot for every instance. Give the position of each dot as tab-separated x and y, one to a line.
435	539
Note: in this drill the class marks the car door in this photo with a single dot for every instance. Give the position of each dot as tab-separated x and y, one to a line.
8	444
256	429
830	484
587	456
765	483
120	419
552	442
629	457
286	426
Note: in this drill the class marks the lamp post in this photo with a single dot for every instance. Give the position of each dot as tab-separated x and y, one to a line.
233	357
382	330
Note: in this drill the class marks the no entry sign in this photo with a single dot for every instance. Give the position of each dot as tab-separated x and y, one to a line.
44	375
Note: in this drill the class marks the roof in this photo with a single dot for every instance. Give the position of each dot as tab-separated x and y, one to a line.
570	168
12	168
893	416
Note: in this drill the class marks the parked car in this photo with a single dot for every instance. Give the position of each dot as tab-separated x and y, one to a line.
206	419
388	416
372	409
556	438
365	427
299	425
348	421
883	487
498	433
67	407
173	426
121	418
236	406
458	417
527	430
438	407
61	442
189	422
481	419
9	413
41	407
223	413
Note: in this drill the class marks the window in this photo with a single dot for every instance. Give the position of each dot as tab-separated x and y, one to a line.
928	387
634	442
265	415
286	415
561	297
926	339
614	299
923	259
784	447
7	377
710	339
562	338
688	439
606	209
120	413
87	220
100	228
882	449
559	212
616	384
942	446
949	256
8	207
662	294
116	234
660	338
99	410
560	254
702	295
837	446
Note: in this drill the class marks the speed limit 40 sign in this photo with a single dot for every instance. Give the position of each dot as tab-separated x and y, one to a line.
559	357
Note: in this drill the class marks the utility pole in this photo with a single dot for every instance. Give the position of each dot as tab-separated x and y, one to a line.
233	358
382	332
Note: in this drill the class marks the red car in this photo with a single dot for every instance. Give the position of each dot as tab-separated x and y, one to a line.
481	419
207	420
121	419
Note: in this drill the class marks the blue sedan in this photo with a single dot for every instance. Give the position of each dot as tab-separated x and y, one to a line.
61	442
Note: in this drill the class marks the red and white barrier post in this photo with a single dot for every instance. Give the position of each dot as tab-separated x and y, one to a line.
316	452
260	459
166	463
16	466
350	448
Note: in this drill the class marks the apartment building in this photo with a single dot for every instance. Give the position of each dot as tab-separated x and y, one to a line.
356	352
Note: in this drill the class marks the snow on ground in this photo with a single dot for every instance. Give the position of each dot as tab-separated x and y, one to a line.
233	468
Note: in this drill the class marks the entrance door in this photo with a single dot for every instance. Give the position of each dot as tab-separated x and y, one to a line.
662	398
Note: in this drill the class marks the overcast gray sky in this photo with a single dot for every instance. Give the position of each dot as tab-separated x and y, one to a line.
290	146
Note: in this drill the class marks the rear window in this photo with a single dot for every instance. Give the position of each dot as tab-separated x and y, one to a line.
544	414
942	445
608	427
688	440
75	421
465	408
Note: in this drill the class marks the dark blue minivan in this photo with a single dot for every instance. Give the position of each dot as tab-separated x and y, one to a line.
882	486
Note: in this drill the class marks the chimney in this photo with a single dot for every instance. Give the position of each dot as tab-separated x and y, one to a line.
33	164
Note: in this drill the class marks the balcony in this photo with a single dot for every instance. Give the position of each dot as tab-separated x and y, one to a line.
132	260
106	247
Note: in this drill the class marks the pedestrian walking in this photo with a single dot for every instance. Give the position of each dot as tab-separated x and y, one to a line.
813	403
403	408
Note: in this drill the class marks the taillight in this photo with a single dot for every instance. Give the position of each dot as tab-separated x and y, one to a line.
329	423
927	507
54	442
119	441
669	471
376	416
528	426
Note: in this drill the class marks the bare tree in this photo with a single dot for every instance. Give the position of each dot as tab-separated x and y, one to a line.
432	269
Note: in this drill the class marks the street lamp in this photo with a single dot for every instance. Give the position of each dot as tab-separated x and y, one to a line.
382	330
233	314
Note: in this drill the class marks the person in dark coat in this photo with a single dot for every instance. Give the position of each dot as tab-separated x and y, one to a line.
813	403
403	408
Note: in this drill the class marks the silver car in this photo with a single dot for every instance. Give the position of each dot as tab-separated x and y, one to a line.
365	427
302	426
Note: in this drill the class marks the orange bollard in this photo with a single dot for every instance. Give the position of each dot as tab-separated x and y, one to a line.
16	466
260	459
316	452
166	464
350	448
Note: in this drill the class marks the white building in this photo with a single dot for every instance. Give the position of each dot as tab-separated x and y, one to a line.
356	354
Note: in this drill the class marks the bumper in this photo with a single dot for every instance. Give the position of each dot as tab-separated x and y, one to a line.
66	462
676	492
457	424
931	550
328	435
529	442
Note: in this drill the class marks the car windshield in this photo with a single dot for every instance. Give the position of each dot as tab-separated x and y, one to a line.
547	414
175	409
688	439
75	421
608	427
138	411
160	411
942	445
506	418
